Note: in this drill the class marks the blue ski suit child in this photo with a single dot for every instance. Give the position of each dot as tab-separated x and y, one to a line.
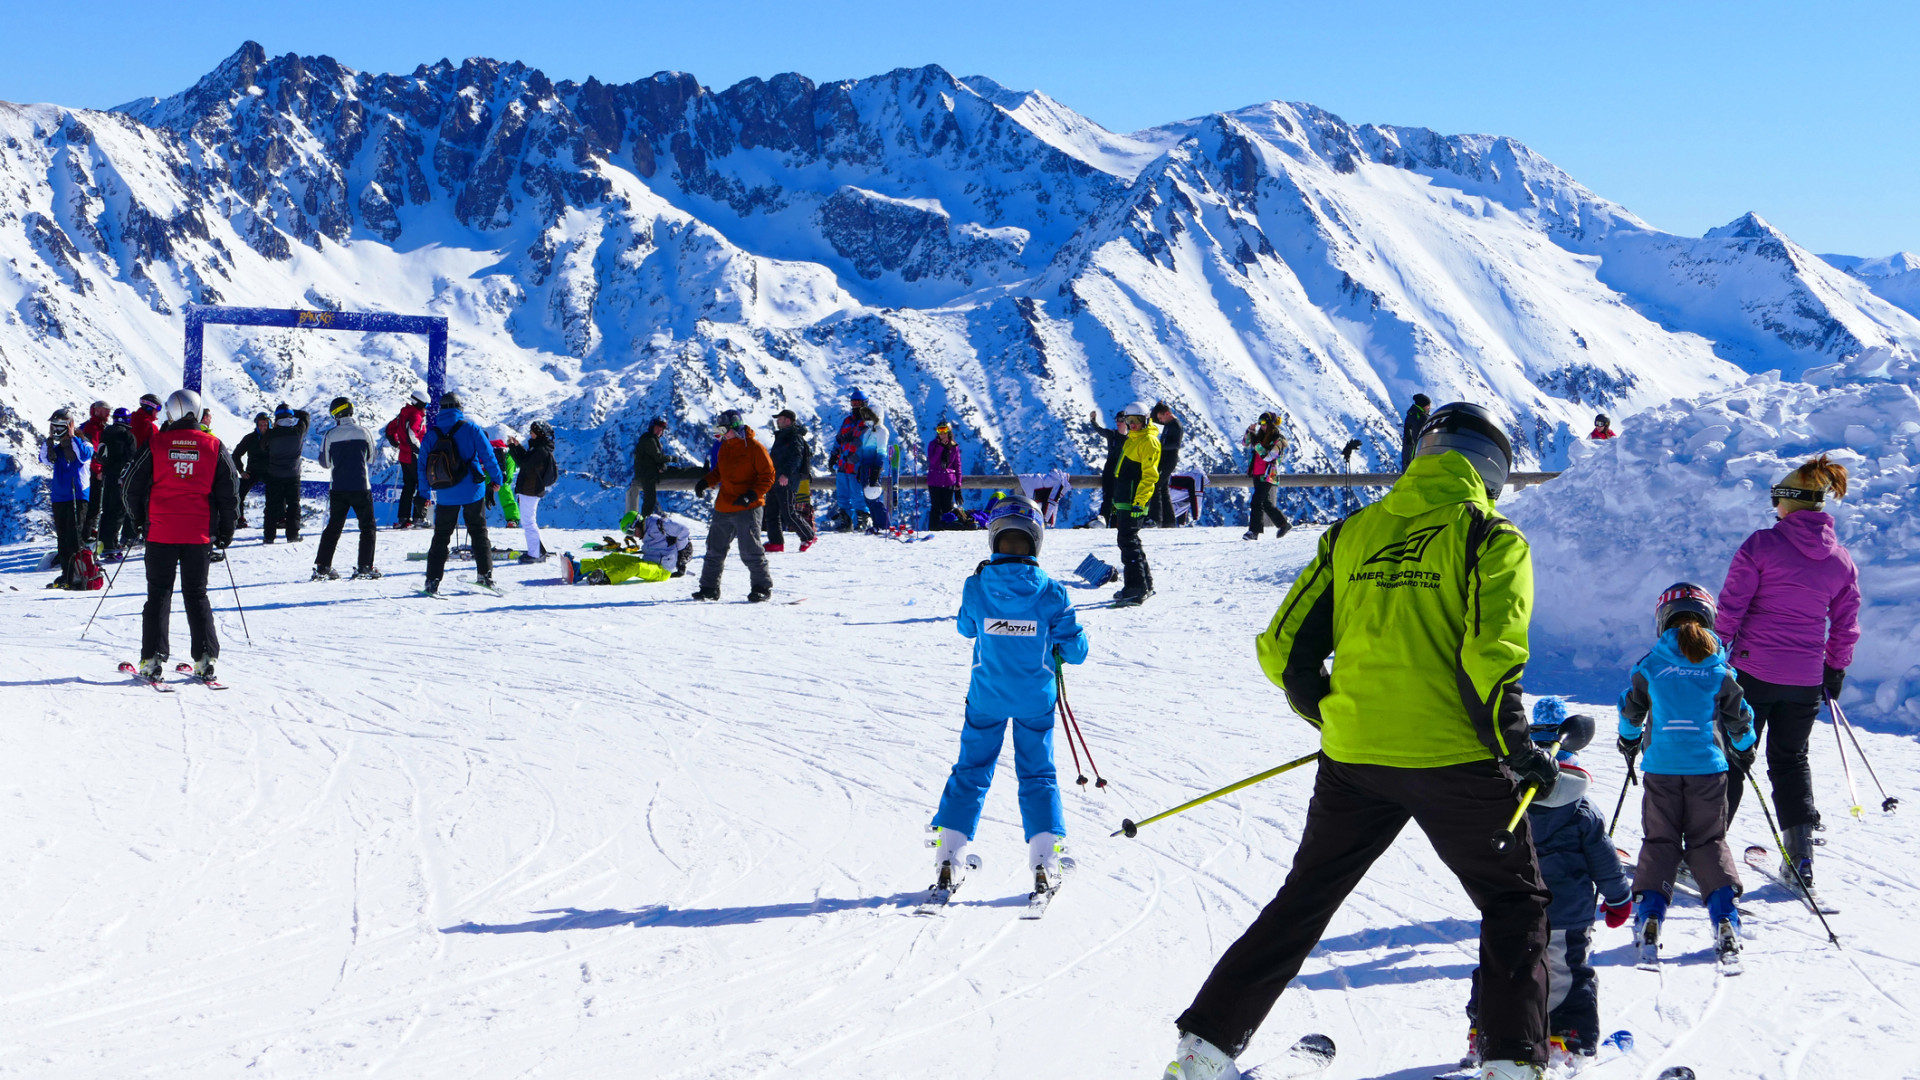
1020	619
1683	717
1580	866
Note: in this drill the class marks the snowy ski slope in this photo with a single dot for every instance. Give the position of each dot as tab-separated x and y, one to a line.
610	832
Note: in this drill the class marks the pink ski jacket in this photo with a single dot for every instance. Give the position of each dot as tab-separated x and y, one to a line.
1791	603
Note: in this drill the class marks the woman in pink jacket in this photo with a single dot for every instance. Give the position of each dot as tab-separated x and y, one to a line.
1790	615
943	476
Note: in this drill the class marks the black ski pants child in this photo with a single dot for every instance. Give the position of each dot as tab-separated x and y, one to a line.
191	561
411	507
1135	574
1263	509
445	517
283	507
1784	716
1573	991
339	505
67	519
1356	812
1684	817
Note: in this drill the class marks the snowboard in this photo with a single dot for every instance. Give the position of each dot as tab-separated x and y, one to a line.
1310	1055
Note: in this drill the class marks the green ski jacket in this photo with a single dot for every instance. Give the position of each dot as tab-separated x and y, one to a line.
1423	600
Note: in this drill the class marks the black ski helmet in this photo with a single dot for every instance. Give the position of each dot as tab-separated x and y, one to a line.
259	416
1602	420
1684	598
449	400
1470	431
341	407
1014	512
1423	401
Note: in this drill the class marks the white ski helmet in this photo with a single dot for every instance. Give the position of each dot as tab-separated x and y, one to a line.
1140	409
182	404
418	397
1014	512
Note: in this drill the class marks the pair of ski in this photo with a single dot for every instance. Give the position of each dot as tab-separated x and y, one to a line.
1612	1048
469	582
1761	860
1726	954
942	892
129	668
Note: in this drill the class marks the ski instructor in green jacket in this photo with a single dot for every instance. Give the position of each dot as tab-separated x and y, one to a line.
1423	599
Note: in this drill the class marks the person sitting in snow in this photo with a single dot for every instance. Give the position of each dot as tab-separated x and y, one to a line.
1022	624
1580	864
664	547
1685	710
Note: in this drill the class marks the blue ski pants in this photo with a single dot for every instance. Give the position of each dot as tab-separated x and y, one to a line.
847	494
980	741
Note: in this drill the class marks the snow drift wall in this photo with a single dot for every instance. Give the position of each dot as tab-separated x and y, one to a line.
1673	497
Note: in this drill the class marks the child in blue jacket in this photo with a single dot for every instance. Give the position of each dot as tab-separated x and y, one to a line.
1581	867
1685	714
1020	620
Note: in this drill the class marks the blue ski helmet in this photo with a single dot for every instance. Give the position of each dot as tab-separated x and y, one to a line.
1551	724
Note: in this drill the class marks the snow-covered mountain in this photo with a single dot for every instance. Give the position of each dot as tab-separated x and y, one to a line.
608	253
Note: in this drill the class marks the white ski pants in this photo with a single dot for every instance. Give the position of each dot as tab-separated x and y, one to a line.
530	523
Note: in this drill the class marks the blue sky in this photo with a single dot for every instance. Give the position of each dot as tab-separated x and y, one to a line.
1689	114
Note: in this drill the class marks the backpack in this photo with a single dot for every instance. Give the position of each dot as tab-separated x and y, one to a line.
394	432
445	466
88	570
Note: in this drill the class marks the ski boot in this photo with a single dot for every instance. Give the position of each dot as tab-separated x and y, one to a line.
1197	1059
773	547
431	587
1649	909
759	596
703	594
325	573
1800	843
1250	535
1046	854
528	558
805	544
203	669
1561	1058
370	572
152	668
485	581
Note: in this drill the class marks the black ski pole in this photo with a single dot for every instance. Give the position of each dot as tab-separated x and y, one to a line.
236	601
1632	779
1888	803
1805	892
115	576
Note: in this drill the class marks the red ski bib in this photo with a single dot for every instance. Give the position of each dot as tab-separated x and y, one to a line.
180	508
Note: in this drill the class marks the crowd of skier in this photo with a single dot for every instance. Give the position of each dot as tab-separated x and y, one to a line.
1424	598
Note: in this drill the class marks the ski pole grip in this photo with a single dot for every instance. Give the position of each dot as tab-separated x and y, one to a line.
1503	839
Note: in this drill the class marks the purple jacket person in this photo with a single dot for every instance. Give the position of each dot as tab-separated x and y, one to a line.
1790	616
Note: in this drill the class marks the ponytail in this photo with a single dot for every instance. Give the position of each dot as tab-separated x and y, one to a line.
1825	475
1695	640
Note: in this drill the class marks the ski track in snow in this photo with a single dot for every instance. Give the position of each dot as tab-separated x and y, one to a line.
580	829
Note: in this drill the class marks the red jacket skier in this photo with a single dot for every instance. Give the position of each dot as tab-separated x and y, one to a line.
182	487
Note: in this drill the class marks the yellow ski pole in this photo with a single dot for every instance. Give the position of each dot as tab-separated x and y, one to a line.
1504	838
1132	828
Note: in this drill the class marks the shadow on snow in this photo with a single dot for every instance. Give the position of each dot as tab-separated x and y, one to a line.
663	915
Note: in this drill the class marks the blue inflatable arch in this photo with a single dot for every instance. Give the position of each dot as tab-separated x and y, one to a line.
199	316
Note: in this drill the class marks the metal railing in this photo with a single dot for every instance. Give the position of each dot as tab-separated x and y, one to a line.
684	480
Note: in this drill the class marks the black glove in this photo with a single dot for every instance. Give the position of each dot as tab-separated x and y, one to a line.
1533	766
218	554
223	542
1743	759
699	491
1835	680
743	500
1629	748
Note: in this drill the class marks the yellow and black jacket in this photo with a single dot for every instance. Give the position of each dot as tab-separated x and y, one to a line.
1423	599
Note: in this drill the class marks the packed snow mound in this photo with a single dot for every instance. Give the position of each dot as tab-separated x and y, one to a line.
1674	496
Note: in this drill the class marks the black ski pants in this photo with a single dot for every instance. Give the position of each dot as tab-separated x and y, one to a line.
1356	812
113	518
1135	574
445	517
247	483
1573	990
942	500
90	529
1264	509
781	514
283	506
339	504
67	519
1162	507
411	506
1784	716
191	561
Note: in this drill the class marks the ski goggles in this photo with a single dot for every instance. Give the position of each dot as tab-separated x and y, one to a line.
1798	494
